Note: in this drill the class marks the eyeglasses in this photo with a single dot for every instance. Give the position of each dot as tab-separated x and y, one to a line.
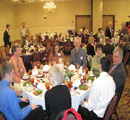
115	56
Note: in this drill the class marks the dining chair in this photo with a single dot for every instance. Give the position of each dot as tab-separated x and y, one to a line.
2	117
110	108
109	56
1	57
7	51
126	60
36	59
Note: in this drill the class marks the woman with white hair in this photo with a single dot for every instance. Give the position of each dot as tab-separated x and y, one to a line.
58	98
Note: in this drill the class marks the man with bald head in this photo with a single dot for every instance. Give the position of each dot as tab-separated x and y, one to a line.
123	31
109	31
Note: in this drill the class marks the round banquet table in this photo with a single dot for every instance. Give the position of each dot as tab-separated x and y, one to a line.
28	58
76	98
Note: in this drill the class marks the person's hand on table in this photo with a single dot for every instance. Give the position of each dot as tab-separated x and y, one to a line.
25	100
86	99
34	106
83	103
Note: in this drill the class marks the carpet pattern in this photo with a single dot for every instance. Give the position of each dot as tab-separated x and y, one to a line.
123	109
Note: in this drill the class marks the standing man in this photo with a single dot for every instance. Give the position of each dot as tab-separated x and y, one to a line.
24	33
123	31
78	55
109	31
6	38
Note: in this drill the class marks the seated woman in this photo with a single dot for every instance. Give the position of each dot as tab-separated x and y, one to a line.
30	40
56	54
90	46
96	59
19	69
58	98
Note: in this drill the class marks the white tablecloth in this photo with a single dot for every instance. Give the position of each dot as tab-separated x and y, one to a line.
40	100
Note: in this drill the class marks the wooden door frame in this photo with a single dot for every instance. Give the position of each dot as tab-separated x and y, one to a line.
81	16
112	21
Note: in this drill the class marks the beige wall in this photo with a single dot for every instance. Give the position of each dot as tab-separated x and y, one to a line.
7	16
97	14
120	9
58	21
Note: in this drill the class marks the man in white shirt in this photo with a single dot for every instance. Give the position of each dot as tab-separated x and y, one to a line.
103	90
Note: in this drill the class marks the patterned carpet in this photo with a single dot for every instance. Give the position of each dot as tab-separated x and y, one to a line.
123	109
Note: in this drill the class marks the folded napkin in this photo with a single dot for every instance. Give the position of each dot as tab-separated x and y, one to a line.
41	86
71	67
76	83
23	51
32	50
46	67
35	71
80	70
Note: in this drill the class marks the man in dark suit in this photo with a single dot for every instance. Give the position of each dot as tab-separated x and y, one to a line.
78	55
108	48
123	31
7	41
109	31
6	38
117	71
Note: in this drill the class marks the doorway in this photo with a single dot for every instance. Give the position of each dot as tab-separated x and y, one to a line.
82	21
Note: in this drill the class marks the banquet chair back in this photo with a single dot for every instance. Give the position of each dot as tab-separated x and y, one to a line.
46	37
126	58
7	51
55	37
1	57
109	56
36	58
60	35
2	117
111	107
68	45
69	114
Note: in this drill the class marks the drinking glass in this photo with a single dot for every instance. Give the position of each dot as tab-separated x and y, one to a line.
69	84
30	72
32	80
47	86
84	78
38	66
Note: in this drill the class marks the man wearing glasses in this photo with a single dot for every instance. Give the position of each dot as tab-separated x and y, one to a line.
117	71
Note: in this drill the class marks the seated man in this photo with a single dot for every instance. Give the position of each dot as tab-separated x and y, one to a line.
19	69
108	48
78	55
9	103
103	90
117	71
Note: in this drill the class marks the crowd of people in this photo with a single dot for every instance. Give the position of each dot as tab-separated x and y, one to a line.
109	72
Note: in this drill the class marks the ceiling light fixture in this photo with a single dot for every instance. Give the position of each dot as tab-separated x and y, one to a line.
49	7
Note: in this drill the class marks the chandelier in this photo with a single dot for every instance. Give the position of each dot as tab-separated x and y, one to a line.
49	7
22	1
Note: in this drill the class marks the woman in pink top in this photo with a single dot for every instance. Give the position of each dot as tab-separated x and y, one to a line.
19	68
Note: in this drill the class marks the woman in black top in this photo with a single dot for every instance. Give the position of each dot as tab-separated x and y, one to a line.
58	98
90	46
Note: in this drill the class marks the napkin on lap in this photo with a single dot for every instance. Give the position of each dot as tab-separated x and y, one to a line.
71	67
41	86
